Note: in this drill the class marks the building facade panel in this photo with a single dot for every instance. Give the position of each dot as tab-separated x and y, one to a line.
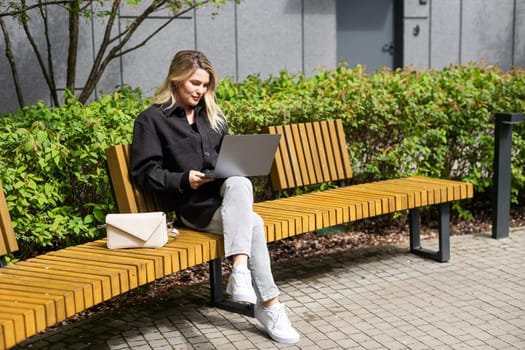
216	37
487	32
416	8
269	37
519	35
319	35
445	37
415	42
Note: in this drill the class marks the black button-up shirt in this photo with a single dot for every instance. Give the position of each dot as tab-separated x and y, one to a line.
165	148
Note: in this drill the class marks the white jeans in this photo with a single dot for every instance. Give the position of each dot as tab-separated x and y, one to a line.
243	231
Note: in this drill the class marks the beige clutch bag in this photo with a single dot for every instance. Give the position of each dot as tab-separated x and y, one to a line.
137	230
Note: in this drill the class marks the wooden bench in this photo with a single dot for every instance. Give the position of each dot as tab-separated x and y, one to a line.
39	292
310	154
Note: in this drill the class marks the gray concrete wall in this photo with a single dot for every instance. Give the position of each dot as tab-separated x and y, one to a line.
463	31
264	37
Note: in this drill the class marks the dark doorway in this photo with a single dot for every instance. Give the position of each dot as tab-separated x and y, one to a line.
366	33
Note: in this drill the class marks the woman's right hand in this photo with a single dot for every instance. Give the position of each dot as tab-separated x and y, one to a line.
197	179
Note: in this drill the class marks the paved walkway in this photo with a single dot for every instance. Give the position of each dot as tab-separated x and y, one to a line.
363	299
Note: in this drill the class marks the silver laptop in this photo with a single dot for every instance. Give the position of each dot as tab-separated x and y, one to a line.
245	155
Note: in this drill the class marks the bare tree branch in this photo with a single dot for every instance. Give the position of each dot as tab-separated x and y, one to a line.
48	78
155	32
12	63
99	68
21	11
92	80
74	13
102	62
53	90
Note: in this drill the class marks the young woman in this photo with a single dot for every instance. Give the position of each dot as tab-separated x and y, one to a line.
173	140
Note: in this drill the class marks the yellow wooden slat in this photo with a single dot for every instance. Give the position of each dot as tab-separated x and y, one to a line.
278	228
201	246
460	190
383	202
303	217
343	147
290	225
146	201
9	335
31	322
109	284
327	146
83	291
308	219
196	247
113	275
294	158
320	144
99	286
337	151
118	170
299	143
7	234
309	174
161	259
36	302
325	215
288	159
152	263
193	256
215	241
313	153
49	301
12	328
138	274
287	225
277	172
63	298
421	194
122	272
364	205
33	312
360	207
180	257
146	265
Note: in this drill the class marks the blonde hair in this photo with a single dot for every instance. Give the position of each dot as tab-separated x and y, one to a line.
183	65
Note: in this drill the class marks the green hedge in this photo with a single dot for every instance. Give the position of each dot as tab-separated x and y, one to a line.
435	123
53	168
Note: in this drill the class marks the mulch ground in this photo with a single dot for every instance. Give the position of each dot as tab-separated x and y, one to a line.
365	234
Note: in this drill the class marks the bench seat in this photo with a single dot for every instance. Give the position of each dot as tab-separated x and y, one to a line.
39	292
286	217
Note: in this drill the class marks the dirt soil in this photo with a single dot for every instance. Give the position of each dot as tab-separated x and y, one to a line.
365	234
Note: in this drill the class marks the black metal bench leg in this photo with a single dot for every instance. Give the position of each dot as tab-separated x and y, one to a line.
217	293
443	254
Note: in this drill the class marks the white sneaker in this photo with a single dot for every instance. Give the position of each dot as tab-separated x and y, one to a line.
240	286
276	323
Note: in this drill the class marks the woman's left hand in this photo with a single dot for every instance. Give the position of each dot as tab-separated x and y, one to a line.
197	179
